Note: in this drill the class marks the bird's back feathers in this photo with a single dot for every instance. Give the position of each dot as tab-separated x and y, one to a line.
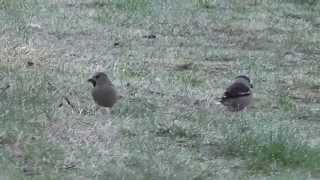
237	89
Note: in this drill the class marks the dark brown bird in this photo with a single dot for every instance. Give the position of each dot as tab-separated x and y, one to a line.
238	95
103	91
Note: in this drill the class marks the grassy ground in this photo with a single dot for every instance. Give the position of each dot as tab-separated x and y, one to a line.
168	126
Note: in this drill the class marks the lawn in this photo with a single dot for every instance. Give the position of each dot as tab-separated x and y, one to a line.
168	125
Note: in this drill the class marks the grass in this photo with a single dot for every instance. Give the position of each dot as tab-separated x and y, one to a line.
25	111
204	3
106	9
18	17
270	147
168	125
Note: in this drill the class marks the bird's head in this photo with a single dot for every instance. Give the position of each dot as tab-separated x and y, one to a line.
244	79
99	78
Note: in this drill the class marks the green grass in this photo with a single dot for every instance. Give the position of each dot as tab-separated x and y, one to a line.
106	9
26	109
269	148
18	17
168	125
204	3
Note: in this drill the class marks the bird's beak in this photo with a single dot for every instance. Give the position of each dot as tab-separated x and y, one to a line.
251	85
92	81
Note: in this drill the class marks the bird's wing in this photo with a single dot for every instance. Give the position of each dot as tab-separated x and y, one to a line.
237	90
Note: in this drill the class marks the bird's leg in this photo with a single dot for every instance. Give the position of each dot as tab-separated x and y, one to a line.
105	110
96	108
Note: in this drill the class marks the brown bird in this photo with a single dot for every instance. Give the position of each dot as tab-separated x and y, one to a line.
238	95
103	91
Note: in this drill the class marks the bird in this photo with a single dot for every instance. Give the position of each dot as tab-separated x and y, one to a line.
103	92
238	95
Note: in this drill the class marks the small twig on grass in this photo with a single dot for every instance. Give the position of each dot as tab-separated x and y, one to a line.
71	104
4	89
53	88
